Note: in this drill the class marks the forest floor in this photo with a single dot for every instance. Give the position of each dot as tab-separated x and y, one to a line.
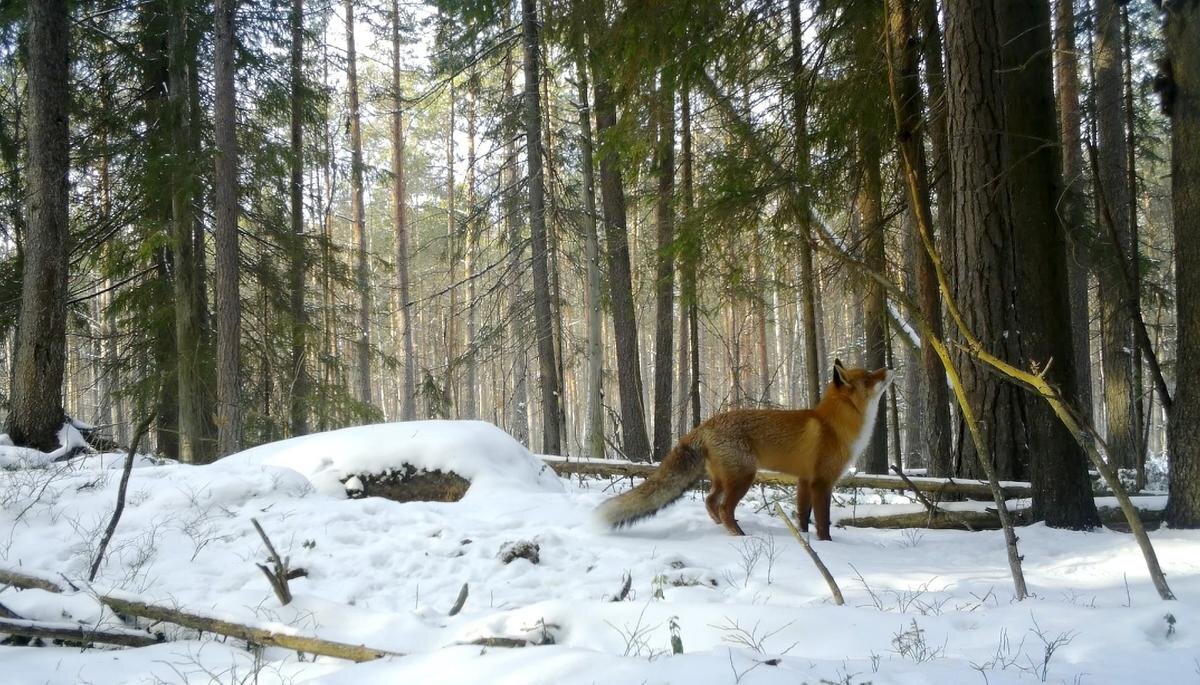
921	606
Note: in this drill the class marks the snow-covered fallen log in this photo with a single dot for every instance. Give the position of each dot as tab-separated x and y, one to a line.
77	634
941	486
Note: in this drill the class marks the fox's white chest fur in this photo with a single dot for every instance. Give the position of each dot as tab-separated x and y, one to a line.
870	414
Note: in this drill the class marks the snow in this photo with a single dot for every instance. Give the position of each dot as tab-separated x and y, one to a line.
476	450
70	441
921	606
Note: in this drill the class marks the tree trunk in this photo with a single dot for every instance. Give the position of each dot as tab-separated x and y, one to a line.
803	210
402	307
664	281
229	305
1116	336
983	278
196	442
870	204
1181	99
470	403
691	259
519	403
593	441
629	376
36	410
362	273
1058	467
1079	238
547	369
451	318
300	402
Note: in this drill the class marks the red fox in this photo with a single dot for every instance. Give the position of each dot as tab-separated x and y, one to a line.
815	445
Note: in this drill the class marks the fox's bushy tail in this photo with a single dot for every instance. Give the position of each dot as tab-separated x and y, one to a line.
683	466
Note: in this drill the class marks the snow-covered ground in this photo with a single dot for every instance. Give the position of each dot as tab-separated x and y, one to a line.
921	606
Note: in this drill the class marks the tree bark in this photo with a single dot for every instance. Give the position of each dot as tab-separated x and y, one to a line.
689	295
1062	495
547	369
229	305
593	440
36	410
1117	345
299	397
402	307
1181	95
519	404
362	273
629	377
1079	238
196	444
664	281
470	401
875	459
803	209
984	280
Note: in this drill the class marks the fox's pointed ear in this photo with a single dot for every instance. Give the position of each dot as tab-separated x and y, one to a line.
839	371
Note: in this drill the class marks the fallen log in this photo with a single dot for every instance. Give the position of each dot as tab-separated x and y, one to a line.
254	634
77	634
28	582
983	520
940	486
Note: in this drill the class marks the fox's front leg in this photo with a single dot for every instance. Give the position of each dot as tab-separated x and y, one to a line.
803	503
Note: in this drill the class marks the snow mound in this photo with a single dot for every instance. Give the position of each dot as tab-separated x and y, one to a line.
476	450
70	440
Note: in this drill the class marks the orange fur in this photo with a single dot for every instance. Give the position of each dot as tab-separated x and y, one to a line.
815	445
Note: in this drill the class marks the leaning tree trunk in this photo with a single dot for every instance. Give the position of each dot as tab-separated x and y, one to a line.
1181	99
1062	494
629	376
983	278
36	410
547	369
1116	334
593	440
664	280
362	273
300	402
1079	240
403	318
229	305
803	209
875	459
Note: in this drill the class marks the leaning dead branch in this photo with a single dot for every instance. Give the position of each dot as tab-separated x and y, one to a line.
121	489
460	601
833	586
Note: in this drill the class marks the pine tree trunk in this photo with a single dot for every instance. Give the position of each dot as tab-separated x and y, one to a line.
451	318
519	404
984	278
689	294
196	444
402	307
470	404
1117	345
875	459
229	305
1079	238
36	409
593	440
803	211
664	281
629	376
300	402
362	273
547	369
1182	100
1062	495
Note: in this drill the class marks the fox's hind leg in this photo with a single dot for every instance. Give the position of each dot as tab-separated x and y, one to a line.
713	502
736	488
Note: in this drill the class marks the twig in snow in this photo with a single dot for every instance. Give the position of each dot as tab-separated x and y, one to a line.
625	585
458	603
279	575
833	586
